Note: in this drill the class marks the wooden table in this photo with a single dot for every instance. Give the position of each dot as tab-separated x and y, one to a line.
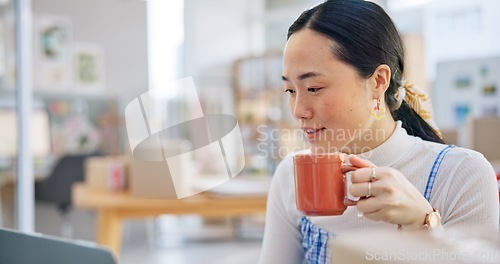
114	207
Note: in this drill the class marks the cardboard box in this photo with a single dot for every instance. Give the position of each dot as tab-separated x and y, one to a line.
450	136
484	137
107	172
152	167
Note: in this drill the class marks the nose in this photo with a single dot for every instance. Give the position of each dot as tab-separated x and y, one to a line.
301	109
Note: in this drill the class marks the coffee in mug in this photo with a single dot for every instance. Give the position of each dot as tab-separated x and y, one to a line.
321	188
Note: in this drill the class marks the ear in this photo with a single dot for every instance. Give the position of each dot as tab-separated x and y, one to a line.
381	78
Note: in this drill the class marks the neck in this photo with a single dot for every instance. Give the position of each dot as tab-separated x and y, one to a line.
376	134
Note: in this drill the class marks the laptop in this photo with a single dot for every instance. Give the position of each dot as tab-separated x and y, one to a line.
20	248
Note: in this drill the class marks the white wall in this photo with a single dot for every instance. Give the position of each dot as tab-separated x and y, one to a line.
279	17
447	96
460	29
120	27
217	32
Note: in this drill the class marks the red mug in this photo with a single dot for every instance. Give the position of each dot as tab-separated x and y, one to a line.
321	188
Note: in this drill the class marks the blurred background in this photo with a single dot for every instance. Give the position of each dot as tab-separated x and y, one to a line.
91	58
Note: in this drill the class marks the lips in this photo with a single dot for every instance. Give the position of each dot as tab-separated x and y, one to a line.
312	133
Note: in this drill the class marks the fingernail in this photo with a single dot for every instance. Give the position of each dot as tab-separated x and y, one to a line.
348	160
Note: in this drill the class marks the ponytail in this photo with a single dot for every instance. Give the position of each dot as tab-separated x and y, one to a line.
366	37
415	125
411	105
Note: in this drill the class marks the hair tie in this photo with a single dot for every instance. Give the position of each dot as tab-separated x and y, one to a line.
418	101
400	96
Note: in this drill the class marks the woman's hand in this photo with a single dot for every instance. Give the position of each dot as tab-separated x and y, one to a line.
393	198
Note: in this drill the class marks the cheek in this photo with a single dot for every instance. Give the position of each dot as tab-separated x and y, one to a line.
361	104
291	103
347	112
338	105
332	110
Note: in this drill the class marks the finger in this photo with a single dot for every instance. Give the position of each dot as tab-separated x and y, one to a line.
368	206
371	208
383	214
365	174
362	190
375	216
348	168
356	161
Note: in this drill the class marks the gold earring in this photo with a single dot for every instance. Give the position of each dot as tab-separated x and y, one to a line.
378	112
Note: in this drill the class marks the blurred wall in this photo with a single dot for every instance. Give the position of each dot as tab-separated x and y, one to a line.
460	29
120	27
217	32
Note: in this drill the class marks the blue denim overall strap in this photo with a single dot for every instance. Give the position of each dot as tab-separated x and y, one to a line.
314	242
315	239
434	172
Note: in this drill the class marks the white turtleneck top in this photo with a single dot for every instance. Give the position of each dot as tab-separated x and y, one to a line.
465	192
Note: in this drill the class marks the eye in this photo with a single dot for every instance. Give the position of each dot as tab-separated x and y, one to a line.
313	90
290	91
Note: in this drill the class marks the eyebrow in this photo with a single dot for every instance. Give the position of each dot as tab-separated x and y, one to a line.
303	76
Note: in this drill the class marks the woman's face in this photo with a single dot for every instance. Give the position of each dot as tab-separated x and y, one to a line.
327	96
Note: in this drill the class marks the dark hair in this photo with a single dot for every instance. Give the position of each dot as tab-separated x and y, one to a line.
365	37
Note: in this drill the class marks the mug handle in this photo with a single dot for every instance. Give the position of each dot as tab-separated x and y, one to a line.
349	199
